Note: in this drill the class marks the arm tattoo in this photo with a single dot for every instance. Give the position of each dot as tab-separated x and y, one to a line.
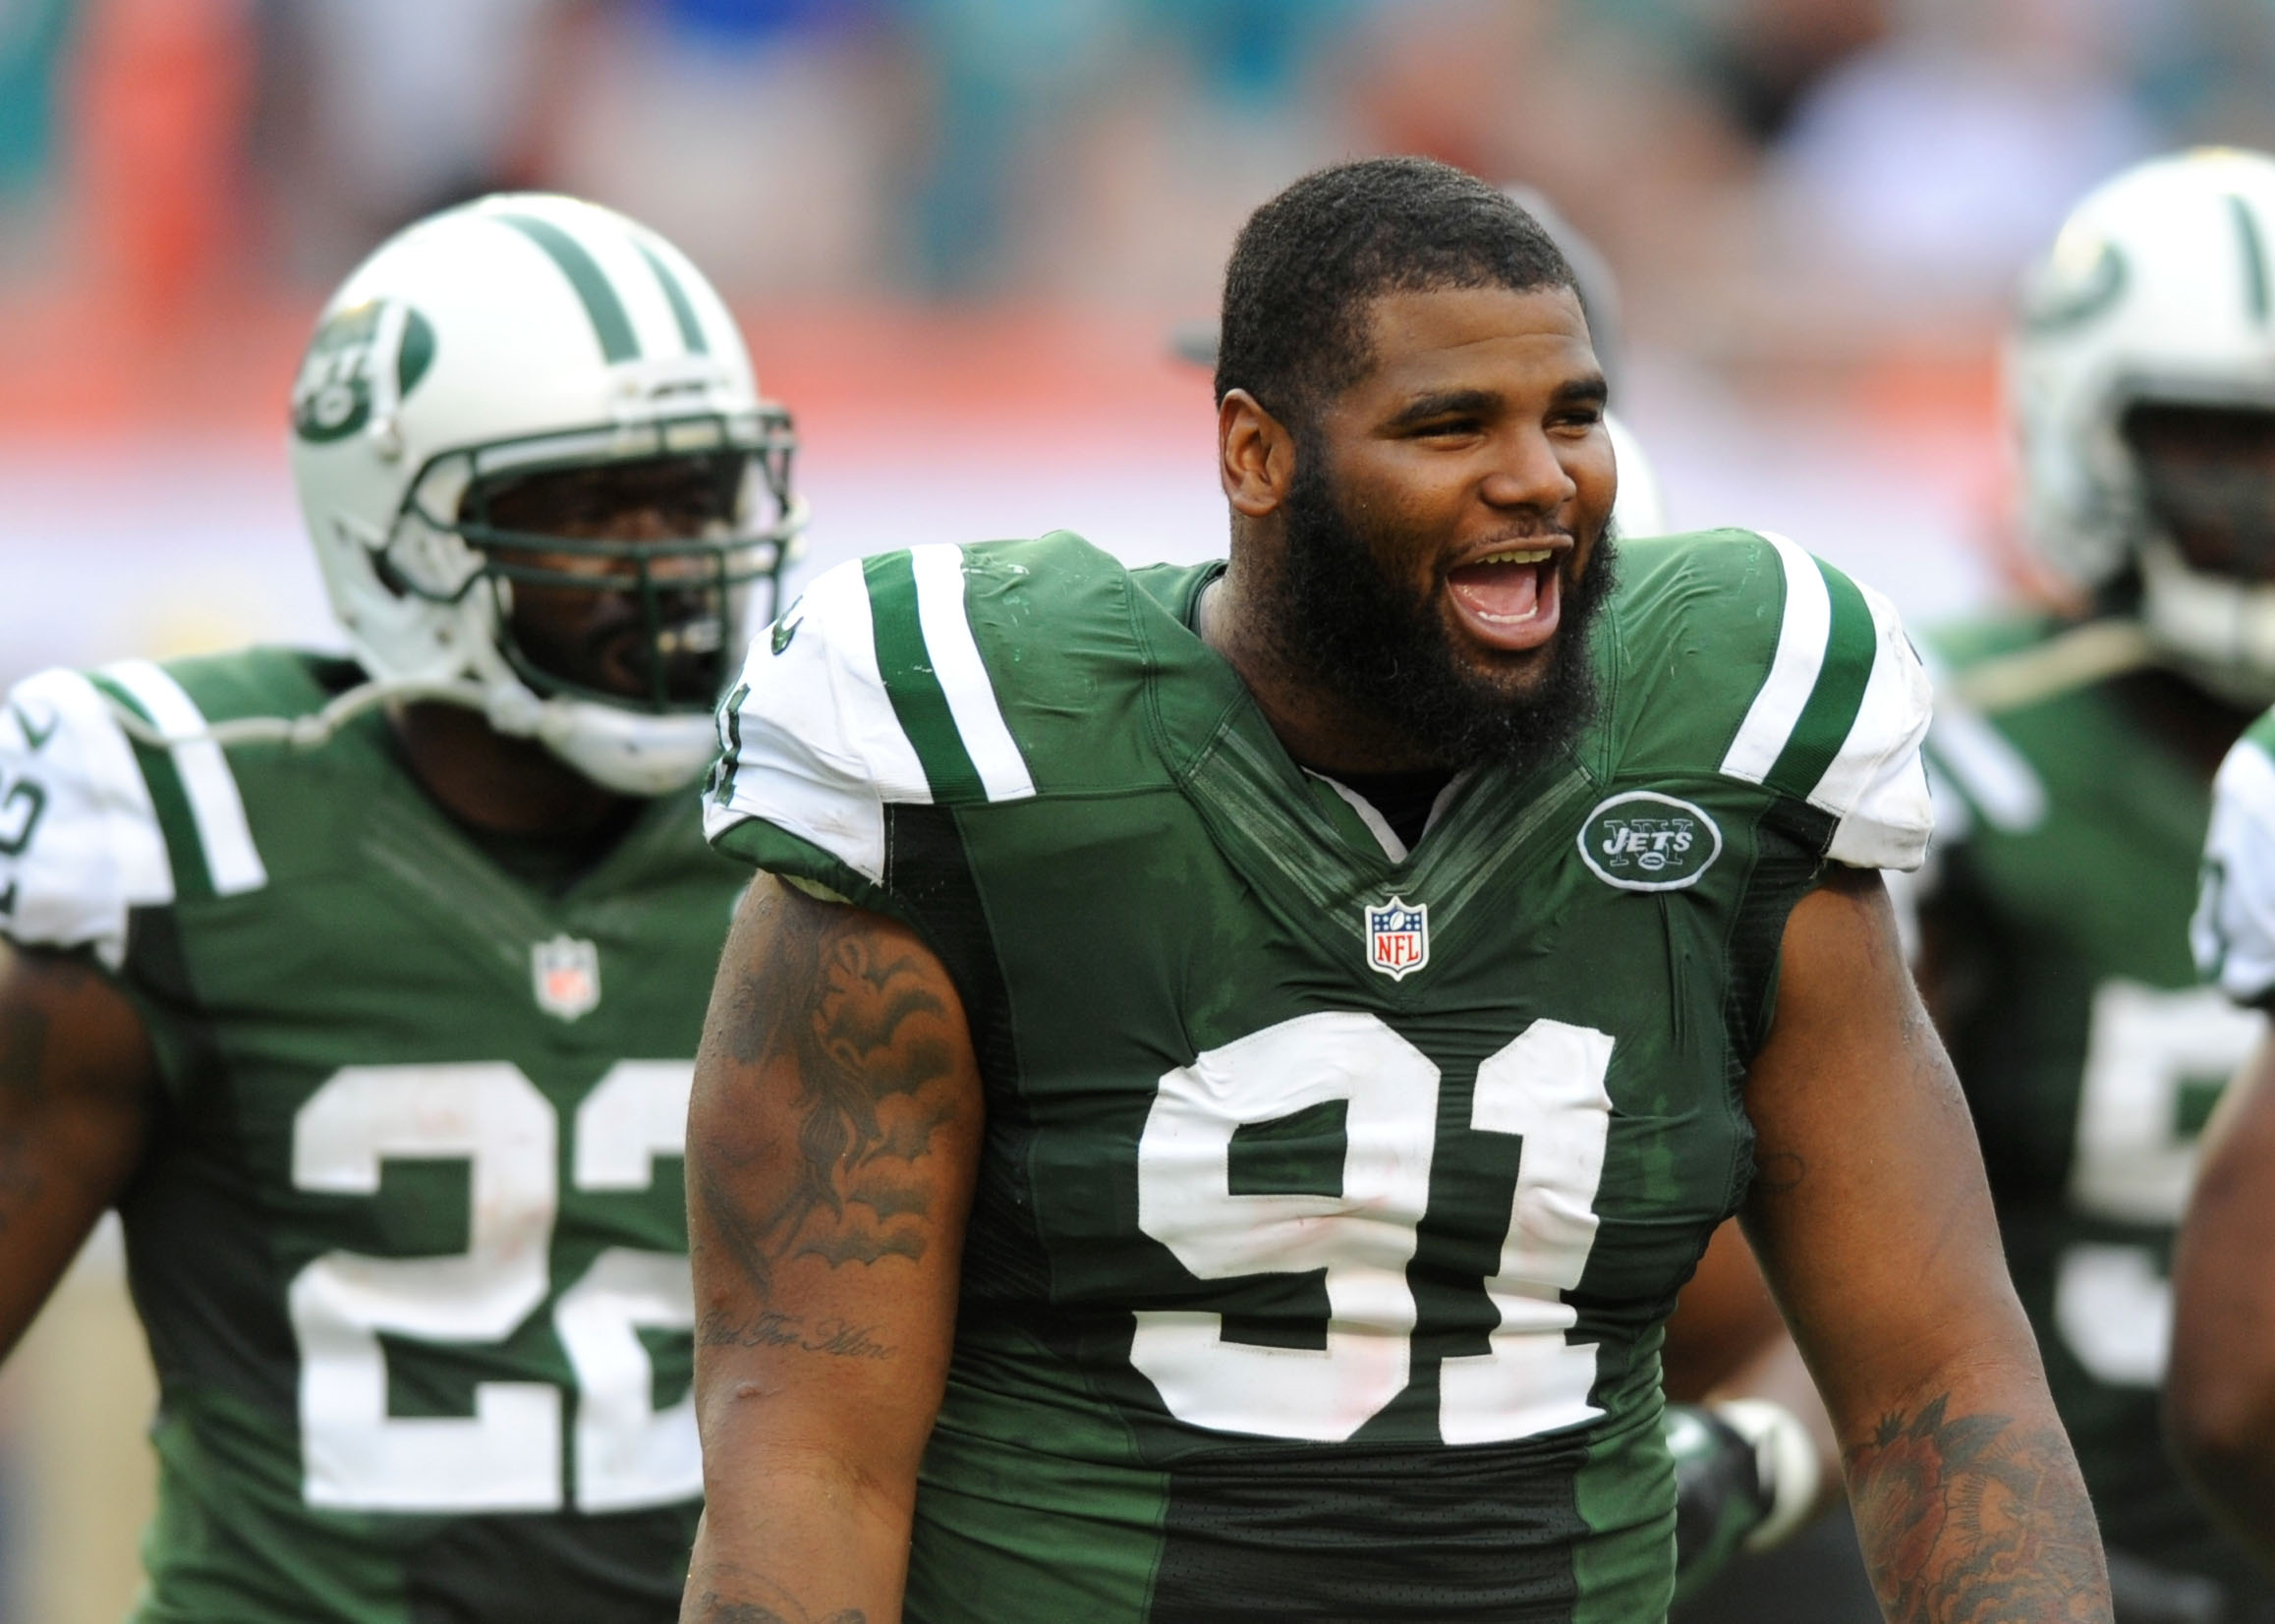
1977	1519
851	1023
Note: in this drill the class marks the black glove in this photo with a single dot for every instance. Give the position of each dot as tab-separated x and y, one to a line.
1719	1496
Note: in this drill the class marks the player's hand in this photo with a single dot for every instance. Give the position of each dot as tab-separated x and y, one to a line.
1746	1476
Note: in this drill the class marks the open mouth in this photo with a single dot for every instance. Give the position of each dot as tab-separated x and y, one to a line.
1511	598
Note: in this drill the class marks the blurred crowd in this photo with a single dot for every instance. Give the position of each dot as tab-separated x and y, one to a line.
1760	171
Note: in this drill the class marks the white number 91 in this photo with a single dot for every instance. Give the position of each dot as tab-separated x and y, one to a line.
1545	1089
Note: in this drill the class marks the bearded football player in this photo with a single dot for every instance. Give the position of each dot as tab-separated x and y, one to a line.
368	988
1238	1060
2075	755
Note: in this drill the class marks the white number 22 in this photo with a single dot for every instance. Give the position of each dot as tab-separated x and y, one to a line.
507	1456
1545	1087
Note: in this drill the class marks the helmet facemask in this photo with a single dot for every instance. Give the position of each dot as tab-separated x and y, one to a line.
620	576
2207	483
2203	476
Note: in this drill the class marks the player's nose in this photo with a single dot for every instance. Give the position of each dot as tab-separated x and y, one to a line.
1526	473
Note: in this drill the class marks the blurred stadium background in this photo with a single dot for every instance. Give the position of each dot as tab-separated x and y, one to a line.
960	234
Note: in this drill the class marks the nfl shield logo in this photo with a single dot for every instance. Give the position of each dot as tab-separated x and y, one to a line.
566	975
1397	937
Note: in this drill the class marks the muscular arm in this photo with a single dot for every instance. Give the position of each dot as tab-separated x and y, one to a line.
2219	1395
832	1141
77	1084
1872	1220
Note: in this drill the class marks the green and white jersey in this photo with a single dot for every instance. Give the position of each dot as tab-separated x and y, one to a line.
2233	929
1333	1194
409	1243
2065	868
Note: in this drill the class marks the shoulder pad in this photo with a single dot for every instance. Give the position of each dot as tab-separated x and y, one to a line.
868	690
102	824
1837	716
79	842
2233	932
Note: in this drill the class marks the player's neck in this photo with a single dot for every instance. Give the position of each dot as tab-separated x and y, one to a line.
1317	730
491	781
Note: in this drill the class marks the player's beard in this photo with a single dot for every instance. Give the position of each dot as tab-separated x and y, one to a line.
1349	626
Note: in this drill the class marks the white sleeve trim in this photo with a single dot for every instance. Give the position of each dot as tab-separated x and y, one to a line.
2233	932
1801	639
231	859
96	851
1877	785
820	750
938	568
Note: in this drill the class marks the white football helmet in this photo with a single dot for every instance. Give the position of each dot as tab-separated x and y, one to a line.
2158	292
520	335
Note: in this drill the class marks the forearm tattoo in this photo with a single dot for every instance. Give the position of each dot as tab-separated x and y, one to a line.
1977	1519
853	1027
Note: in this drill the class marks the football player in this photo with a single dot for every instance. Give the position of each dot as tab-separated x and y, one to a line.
2074	755
368	988
2220	1389
1239	1058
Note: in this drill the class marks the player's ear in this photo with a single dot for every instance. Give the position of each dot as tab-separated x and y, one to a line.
1255	455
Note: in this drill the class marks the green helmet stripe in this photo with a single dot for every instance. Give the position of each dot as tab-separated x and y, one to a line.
918	702
1850	643
2255	258
609	323
682	309
169	799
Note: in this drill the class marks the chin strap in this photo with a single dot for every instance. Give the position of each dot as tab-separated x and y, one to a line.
2072	660
510	710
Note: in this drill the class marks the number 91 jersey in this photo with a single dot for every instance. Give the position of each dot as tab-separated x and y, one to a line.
1333	1194
408	1241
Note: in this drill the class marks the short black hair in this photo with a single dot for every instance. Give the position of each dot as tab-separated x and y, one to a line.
1307	263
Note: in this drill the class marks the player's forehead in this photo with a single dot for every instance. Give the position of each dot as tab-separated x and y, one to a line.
1425	341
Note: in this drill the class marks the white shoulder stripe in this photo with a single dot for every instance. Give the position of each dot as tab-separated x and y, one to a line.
962	674
210	787
818	751
1800	656
1891	716
97	852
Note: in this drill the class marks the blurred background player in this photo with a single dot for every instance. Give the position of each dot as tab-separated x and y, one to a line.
368	988
2220	1389
2074	753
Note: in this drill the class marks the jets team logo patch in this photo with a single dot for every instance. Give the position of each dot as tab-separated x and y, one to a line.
1644	841
1397	937
566	974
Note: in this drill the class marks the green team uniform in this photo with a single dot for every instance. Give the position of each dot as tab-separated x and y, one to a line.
2063	879
1333	1196
408	1241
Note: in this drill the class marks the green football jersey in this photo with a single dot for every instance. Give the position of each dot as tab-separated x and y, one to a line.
2064	877
1333	1194
409	1243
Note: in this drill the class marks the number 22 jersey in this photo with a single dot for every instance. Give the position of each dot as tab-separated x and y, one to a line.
1333	1194
408	1241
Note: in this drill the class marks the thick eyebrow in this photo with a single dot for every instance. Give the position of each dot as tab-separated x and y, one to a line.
1445	403
1459	403
1591	390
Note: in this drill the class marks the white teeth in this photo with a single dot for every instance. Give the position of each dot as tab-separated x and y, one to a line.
1518	555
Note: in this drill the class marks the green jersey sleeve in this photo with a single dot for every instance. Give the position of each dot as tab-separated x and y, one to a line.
93	826
869	694
2233	929
1840	715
